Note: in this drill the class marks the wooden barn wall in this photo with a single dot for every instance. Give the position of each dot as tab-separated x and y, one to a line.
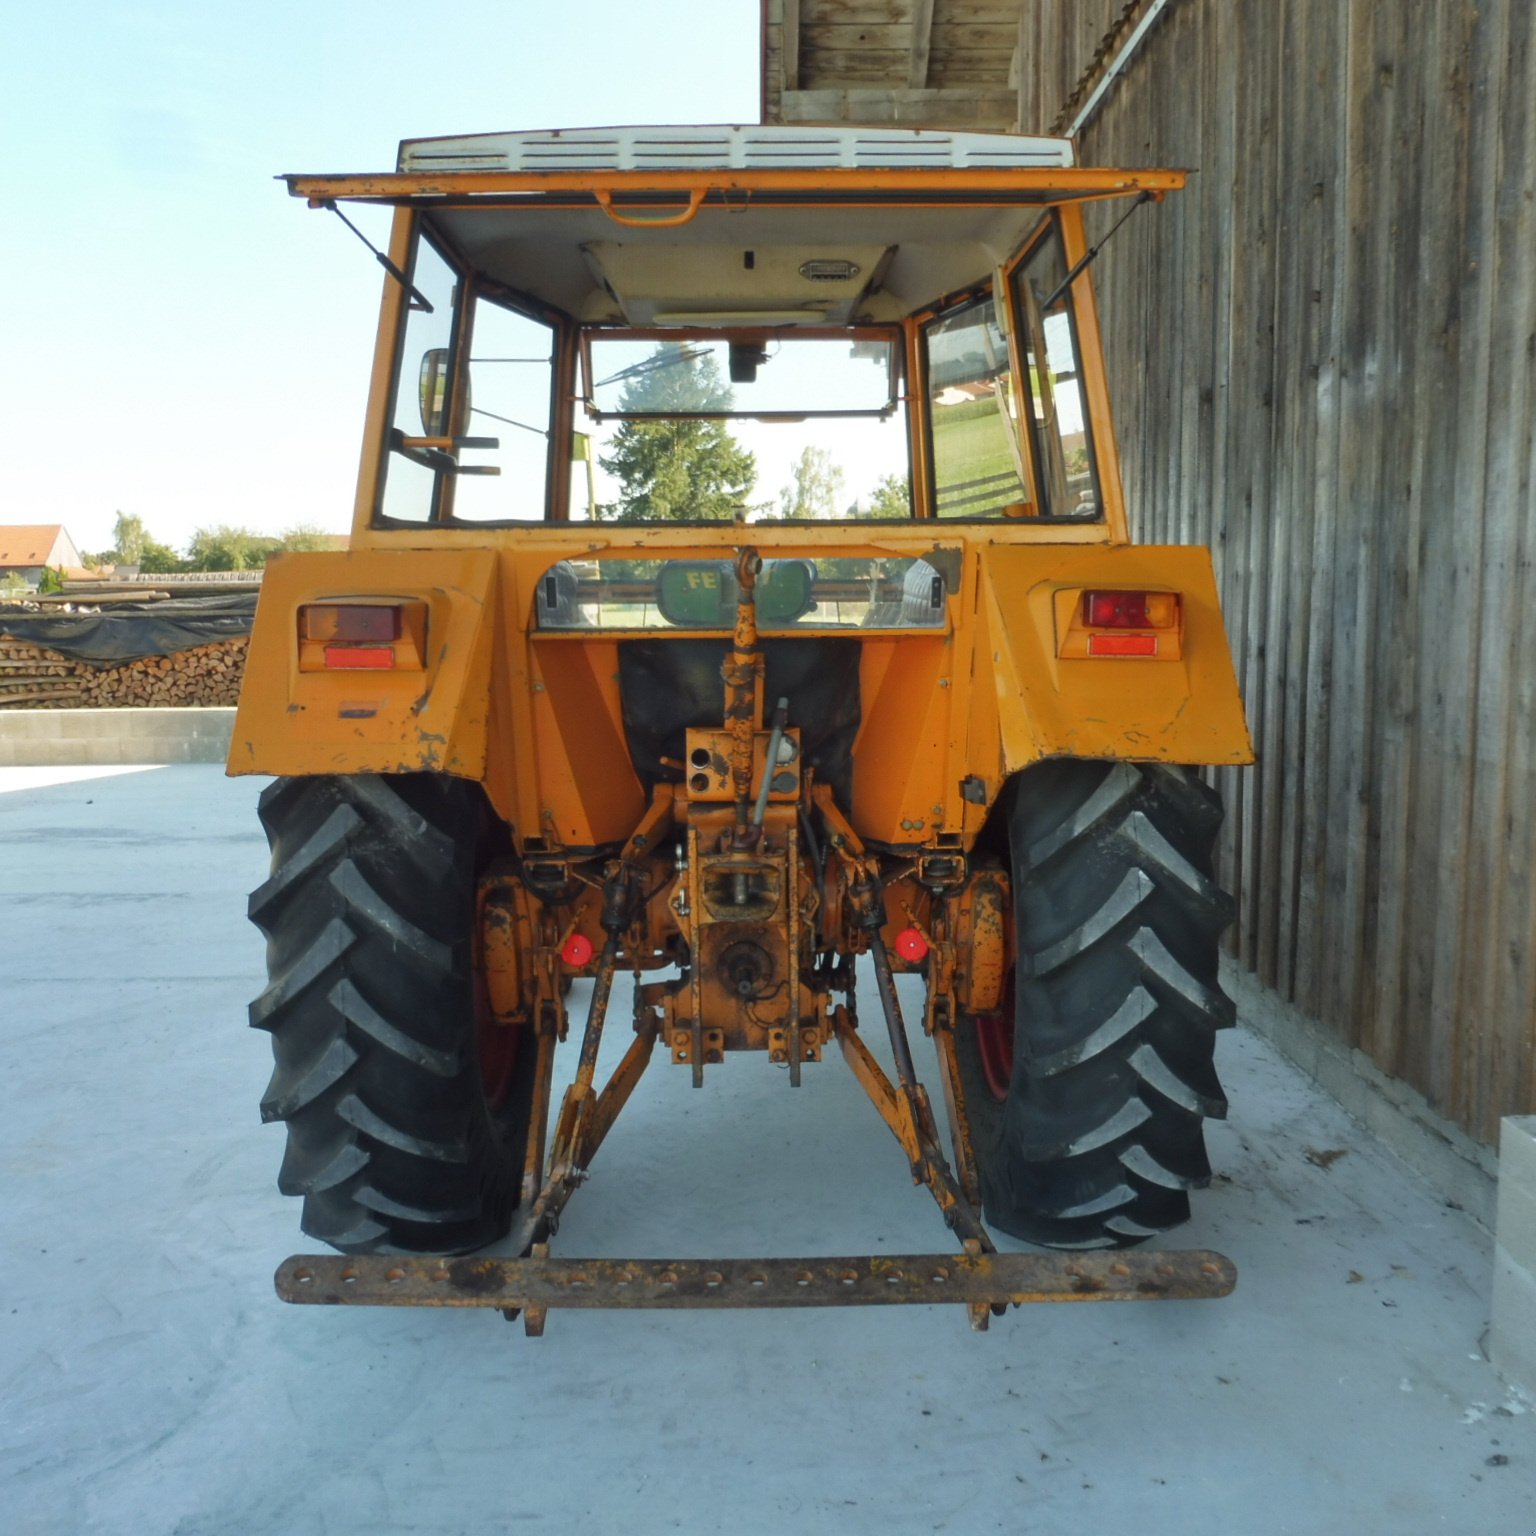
1322	360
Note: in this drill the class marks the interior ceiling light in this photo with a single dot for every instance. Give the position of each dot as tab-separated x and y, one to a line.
823	271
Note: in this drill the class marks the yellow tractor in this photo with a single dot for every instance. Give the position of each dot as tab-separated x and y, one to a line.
739	596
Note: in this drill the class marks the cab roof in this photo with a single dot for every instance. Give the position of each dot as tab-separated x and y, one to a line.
651	226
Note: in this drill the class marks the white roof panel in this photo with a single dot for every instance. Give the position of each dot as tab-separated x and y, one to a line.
747	148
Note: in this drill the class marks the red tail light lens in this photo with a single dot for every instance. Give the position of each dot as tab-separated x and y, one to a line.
1130	610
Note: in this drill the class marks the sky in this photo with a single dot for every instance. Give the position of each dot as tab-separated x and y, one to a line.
181	340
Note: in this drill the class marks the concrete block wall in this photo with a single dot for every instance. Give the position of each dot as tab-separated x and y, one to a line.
1512	1339
58	737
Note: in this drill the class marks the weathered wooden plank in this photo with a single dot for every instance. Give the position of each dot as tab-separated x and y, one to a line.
919	44
878	13
1354	755
1491	353
1379	348
945	68
1322	820
959	108
896	40
1511	956
789	44
820	13
1451	221
1266	614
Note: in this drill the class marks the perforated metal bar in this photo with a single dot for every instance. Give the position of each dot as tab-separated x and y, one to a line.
913	1279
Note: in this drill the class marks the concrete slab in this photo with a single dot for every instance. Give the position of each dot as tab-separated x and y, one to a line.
153	1385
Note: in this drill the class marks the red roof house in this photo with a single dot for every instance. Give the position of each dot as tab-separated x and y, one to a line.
28	548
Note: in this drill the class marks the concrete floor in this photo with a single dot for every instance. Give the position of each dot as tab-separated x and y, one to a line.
152	1384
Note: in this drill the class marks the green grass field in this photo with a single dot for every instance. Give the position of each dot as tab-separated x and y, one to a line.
970	442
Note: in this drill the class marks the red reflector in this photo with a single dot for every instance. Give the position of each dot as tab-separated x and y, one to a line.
1122	645
911	945
362	622
577	951
363	658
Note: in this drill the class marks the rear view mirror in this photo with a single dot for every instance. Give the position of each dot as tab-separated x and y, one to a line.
433	388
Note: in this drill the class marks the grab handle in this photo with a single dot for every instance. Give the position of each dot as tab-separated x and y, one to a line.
666	221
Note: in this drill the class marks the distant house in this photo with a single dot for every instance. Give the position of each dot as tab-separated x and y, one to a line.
30	548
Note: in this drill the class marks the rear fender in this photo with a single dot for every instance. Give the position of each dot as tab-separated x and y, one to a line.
1180	707
431	717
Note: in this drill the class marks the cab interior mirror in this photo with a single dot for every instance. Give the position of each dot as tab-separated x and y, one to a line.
746	358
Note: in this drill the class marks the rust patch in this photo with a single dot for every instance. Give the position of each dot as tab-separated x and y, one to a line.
477	1277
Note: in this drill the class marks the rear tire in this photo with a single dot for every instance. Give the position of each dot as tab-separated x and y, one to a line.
1098	1139
370	922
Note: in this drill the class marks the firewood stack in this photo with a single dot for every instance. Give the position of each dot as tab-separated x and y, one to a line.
34	677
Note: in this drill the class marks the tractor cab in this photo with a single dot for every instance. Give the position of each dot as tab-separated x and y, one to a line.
810	325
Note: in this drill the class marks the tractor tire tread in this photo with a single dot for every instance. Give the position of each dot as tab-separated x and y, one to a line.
1118	1003
368	915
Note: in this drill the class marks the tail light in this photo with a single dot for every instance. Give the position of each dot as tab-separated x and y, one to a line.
1105	622
358	623
362	636
1130	610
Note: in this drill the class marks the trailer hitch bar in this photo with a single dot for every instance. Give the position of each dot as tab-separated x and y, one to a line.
535	1284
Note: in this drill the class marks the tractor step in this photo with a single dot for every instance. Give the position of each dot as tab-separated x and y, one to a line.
988	1279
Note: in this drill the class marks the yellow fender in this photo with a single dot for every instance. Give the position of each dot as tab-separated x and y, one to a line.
427	712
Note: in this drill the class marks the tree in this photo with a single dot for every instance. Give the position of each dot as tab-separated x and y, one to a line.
134	544
222	548
815	486
892	497
677	470
306	536
128	539
160	559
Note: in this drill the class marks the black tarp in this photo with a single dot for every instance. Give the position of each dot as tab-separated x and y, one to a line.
130	631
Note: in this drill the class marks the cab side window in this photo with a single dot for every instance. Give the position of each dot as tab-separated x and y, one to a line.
978	469
410	484
509	403
1060	432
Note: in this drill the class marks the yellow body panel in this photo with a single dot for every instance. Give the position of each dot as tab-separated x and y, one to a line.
292	722
946	715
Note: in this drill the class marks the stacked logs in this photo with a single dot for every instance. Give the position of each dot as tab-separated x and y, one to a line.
34	677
